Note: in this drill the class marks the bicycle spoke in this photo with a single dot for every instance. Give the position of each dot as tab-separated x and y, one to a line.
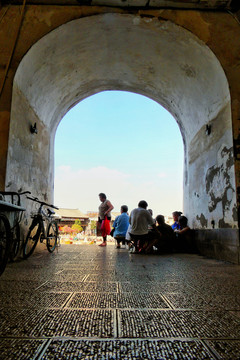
5	241
31	240
37	228
52	236
15	242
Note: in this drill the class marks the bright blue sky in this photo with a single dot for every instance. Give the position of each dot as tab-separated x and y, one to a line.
122	144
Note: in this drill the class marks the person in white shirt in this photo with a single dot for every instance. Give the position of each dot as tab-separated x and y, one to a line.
140	219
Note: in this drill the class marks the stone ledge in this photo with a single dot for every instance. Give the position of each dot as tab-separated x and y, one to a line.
221	244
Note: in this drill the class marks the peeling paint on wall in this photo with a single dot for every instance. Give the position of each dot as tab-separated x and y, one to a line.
203	220
218	184
235	213
223	224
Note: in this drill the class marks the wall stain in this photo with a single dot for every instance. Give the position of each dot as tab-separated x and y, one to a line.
236	144
203	220
189	70
235	213
222	224
218	181
197	144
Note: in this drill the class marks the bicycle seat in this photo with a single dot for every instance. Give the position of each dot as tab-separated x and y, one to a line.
50	212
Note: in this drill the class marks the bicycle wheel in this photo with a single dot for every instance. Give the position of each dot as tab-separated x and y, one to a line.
52	235
31	239
5	242
15	242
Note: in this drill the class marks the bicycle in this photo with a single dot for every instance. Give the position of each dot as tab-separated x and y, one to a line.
5	241
10	227
37	230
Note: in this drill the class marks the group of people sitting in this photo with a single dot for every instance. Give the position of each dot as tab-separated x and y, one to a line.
145	233
149	235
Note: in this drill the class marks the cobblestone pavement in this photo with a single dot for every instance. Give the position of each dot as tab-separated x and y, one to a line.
88	302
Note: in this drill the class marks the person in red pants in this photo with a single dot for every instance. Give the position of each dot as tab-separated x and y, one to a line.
104	210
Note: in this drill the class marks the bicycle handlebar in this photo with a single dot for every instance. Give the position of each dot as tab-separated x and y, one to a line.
14	193
41	202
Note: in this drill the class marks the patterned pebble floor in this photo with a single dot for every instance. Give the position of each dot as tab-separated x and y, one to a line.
88	302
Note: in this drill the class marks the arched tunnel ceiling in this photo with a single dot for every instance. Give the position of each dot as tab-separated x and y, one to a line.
227	5
150	56
172	71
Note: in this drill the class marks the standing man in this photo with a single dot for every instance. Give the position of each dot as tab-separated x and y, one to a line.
140	220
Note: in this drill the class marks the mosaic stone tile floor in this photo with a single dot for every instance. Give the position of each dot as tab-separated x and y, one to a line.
88	302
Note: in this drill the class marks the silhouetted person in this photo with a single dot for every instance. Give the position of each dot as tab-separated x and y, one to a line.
104	210
140	219
120	226
185	241
175	225
165	242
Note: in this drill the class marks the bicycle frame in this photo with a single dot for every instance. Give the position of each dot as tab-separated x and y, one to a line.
39	218
39	231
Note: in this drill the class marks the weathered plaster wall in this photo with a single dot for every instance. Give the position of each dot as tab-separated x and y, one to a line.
29	163
149	56
219	31
214	175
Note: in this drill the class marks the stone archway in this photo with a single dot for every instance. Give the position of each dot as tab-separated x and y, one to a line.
151	57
